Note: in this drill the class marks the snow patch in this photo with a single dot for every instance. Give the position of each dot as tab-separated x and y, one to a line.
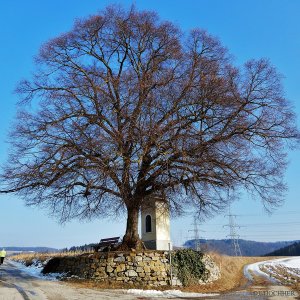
291	262
167	294
35	270
255	269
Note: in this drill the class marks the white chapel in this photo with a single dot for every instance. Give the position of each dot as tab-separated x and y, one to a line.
155	224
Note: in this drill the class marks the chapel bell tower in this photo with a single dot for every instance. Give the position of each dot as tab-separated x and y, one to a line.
155	218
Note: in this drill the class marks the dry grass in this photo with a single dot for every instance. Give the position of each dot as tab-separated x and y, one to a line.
296	287
232	275
28	258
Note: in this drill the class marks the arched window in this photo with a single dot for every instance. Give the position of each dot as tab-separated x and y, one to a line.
148	223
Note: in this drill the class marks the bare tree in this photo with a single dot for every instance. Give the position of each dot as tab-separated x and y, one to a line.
125	106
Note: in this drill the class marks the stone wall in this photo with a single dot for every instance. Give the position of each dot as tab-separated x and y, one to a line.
151	268
146	268
213	269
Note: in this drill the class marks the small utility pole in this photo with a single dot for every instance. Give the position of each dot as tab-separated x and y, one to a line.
170	260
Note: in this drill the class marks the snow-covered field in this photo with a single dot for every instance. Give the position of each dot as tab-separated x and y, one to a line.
284	270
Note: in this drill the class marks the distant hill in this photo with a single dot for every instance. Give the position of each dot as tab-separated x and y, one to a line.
248	248
291	250
30	249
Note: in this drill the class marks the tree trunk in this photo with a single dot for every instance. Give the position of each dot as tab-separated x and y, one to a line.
131	239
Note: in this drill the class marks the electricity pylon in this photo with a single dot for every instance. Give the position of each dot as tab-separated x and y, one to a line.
196	230
233	234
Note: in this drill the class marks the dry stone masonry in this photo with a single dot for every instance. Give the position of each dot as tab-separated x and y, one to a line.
146	268
149	268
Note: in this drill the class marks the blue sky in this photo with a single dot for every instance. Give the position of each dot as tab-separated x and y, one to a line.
248	28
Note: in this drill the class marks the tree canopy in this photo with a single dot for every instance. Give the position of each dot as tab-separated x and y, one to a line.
125	106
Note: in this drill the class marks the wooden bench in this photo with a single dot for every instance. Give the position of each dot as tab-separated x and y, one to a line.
106	243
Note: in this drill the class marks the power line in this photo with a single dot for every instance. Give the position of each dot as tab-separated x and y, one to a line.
271	224
259	224
271	235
